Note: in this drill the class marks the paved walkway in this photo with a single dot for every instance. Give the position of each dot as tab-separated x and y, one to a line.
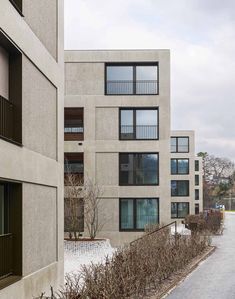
215	277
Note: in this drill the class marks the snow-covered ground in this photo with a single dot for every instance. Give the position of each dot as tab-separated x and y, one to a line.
77	254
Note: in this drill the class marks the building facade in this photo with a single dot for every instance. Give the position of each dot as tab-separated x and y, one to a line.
31	147
117	133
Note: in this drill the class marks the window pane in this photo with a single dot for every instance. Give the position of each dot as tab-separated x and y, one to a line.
183	146
183	188
146	169
147	212
119	80
127	219
173	166
127	169
174	188
1	210
196	165
146	124
127	129
146	80
183	166
173	144
73	167
196	194
196	208
173	210
196	179
183	209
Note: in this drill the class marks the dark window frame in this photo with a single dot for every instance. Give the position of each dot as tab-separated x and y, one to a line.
197	194
197	208
196	165
177	203
188	193
177	147
197	180
135	213
134	122
177	167
18	6
138	153
131	64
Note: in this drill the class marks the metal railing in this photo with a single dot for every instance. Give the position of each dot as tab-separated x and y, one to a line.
131	87
139	132
157	231
6	118
6	255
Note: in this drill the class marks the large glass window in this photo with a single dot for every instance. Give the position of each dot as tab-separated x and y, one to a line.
179	188
179	209
138	169
135	78
179	144
4	211
138	124
136	214
179	166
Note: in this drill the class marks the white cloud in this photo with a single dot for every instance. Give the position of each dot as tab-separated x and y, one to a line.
201	36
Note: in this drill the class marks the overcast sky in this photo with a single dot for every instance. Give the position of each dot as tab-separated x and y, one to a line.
201	37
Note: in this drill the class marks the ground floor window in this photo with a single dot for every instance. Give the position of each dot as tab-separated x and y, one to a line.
179	209
137	213
196	208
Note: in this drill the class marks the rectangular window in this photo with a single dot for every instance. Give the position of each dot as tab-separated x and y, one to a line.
138	169
196	165
131	78
73	215
196	194
179	209
179	188
138	124
179	144
73	124
196	179
137	213
73	165
179	166
196	208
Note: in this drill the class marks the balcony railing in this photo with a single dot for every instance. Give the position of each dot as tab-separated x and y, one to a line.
6	255
139	132
73	133
6	118
125	87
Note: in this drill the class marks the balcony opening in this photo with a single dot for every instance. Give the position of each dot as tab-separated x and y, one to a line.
73	168
73	124
10	233
131	79
10	91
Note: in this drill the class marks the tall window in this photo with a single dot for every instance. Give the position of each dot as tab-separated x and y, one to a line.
73	124
179	209
133	78
138	124
73	164
196	208
196	165
179	144
138	169
137	213
179	188
196	179
179	166
196	194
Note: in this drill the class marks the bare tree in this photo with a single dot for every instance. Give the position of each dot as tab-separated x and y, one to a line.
74	207
92	204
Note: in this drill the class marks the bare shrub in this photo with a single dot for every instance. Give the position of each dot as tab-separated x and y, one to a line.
136	269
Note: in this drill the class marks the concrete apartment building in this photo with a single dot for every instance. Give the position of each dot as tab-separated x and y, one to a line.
31	147
117	133
186	175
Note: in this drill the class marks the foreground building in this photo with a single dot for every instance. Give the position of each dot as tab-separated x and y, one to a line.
117	133
31	147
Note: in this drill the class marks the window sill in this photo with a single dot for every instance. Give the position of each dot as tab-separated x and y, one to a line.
9	280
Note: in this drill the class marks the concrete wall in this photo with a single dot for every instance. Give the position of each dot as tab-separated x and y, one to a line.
41	16
84	72
38	163
4	74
